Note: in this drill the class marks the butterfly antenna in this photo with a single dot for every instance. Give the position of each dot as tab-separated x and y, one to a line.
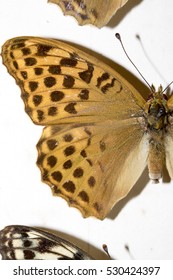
105	248
128	250
117	35
149	59
167	87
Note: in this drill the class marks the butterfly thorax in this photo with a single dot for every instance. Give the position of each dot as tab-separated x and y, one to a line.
156	111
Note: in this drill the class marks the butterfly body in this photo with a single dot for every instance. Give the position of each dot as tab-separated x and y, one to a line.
99	132
27	243
158	121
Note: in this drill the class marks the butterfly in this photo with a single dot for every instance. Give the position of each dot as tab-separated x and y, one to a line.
99	132
27	243
96	12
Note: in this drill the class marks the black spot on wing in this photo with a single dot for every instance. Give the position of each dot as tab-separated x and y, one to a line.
42	50
87	75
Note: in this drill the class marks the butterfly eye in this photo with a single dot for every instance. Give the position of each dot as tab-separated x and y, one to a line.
161	112
156	110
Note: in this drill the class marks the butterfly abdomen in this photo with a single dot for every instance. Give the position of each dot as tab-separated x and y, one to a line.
156	158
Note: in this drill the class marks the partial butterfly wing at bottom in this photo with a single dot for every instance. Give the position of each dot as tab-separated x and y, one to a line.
26	243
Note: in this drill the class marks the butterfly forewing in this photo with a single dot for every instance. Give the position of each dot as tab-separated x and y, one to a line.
93	118
61	84
22	243
96	12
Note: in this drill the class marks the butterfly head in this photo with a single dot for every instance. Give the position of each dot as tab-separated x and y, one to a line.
156	109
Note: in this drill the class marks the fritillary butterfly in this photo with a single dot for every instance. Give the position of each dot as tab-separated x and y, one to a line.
99	132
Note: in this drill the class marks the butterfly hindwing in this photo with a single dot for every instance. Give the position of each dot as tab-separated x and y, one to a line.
24	243
96	12
86	165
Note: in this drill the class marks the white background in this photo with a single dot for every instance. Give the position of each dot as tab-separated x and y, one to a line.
144	219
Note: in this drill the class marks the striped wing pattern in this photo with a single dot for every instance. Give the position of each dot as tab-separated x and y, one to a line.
26	243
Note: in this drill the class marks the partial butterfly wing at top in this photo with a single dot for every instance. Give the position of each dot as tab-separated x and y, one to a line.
96	12
99	132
